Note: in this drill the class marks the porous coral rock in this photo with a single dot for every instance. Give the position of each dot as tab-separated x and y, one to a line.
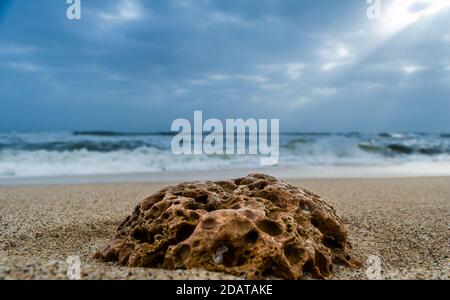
255	226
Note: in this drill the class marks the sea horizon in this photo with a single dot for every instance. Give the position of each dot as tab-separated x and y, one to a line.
103	153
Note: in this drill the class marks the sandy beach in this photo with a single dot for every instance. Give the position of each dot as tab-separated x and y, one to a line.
402	221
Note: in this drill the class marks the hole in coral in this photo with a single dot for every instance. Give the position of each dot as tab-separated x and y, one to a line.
184	232
308	266
191	205
331	242
202	199
252	236
209	223
275	268
270	227
258	185
183	252
179	213
158	237
159	196
227	185
322	262
142	235
194	216
153	261
218	254
165	215
293	253
306	208
272	196
228	256
210	207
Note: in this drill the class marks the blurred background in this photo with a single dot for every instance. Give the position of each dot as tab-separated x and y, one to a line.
98	95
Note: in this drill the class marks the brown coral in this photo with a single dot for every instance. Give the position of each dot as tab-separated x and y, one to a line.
255	226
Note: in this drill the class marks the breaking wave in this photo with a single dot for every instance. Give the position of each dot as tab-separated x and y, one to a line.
105	152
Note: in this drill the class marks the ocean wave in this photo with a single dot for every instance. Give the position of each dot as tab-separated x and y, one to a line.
119	134
96	146
68	153
82	162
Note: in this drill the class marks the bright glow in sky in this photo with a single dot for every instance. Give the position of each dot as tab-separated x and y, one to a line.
403	13
135	65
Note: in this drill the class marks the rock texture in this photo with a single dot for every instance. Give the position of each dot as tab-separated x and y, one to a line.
257	227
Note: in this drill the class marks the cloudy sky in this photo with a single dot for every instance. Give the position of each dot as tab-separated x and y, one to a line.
135	65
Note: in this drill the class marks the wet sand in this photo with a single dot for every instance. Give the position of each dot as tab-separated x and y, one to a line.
403	223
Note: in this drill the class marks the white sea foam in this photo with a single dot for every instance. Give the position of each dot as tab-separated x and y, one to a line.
67	154
83	162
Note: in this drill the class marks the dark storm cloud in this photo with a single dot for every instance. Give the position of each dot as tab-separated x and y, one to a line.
137	65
